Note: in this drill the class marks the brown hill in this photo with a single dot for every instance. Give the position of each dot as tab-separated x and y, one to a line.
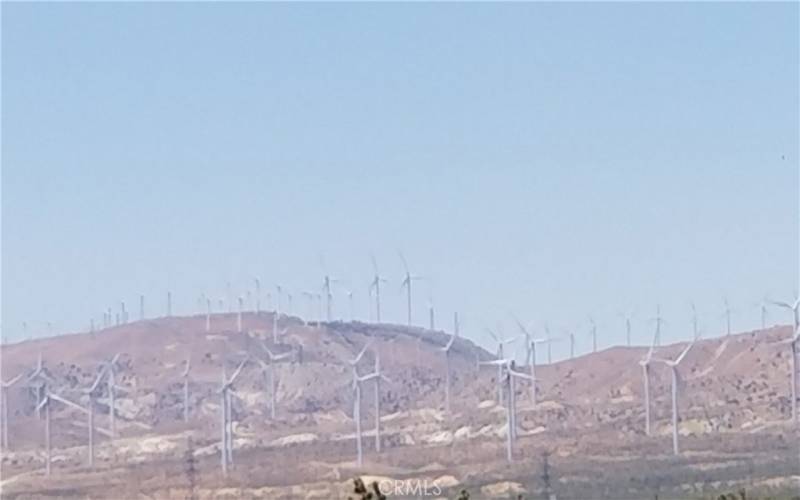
590	407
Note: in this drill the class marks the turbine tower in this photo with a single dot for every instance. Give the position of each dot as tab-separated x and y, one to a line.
376	376
530	356
645	364
501	342
659	321
239	314
91	392
258	296
185	376
375	286
593	333
407	281
727	314
269	370
508	373
794	307
357	401
446	350
226	451
673	366
111	383
4	386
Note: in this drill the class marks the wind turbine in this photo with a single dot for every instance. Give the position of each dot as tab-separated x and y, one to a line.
208	314
141	307
501	342
376	286
226	451
376	376
91	393
659	321
530	356
673	366
446	351
112	385
727	314
569	334
763	306
310	297
239	314
695	323
4	386
549	341
46	405
794	307
645	364
169	304
40	379
357	400
431	316
269	368
350	305
628	318
593	333
185	376
508	373
258	296
407	281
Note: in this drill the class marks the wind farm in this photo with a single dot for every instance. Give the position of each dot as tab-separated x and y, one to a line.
396	251
311	388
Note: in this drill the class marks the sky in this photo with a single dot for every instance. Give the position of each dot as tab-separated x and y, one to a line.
553	161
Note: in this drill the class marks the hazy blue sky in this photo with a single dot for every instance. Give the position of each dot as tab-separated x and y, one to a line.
551	160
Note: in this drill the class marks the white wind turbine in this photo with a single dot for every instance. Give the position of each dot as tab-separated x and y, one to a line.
239	314
593	333
327	291
376	376
407	281
501	342
727	315
111	383
645	364
4	386
91	392
258	295
45	404
569	334
446	350
310	297
549	339
375	286
659	322
628	318
39	379
763	306
673	366
508	373
226	450
185	377
357	400
695	322
208	314
530	356
794	307
269	369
